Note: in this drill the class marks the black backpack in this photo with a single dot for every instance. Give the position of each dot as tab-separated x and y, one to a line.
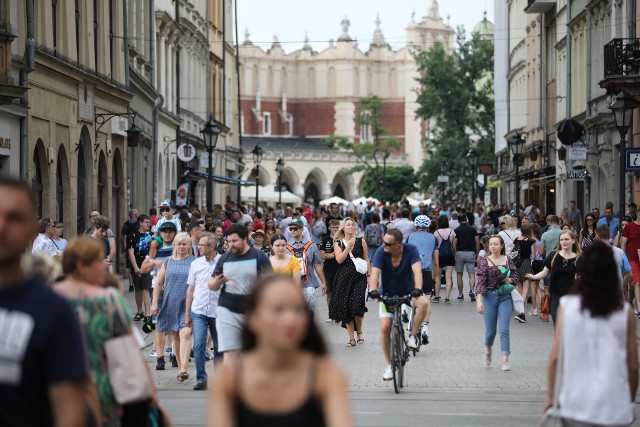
445	250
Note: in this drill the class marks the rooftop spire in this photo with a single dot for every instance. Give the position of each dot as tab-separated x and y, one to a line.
345	37
378	37
247	41
306	42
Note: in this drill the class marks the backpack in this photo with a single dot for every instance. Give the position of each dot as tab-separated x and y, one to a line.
373	235
301	255
445	250
515	253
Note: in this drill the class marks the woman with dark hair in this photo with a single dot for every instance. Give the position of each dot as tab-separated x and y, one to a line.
599	354
446	238
588	231
284	377
283	262
495	304
269	229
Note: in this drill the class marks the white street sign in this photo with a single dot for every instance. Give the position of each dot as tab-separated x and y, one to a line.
577	153
444	179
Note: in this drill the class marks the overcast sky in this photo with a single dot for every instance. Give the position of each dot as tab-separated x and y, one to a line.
289	19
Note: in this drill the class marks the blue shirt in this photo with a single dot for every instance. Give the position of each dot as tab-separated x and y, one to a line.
397	281
614	226
426	243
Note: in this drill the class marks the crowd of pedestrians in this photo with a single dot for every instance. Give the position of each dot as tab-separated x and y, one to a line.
213	285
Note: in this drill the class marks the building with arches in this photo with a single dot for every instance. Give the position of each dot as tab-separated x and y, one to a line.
290	102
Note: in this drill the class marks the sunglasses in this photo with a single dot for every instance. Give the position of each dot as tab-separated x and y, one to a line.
389	244
294	228
165	209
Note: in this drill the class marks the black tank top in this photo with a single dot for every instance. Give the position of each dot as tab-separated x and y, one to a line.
309	414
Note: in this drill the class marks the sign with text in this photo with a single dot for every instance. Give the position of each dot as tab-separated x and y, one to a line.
443	179
633	160
577	152
576	175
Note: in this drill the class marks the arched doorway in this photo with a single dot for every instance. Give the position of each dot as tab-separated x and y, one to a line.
117	191
103	189
39	174
62	186
83	152
311	194
339	191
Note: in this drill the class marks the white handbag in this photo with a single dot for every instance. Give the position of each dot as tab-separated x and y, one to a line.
552	418
127	371
361	265
518	302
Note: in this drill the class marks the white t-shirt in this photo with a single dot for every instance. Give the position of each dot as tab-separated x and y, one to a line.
509	236
205	301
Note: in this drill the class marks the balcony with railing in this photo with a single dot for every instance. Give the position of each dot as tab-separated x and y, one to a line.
539	6
622	66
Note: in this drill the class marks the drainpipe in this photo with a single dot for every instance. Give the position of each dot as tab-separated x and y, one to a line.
224	61
29	65
158	104
238	95
125	33
568	36
589	72
177	86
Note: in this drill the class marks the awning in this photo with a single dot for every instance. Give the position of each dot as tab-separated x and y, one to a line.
223	179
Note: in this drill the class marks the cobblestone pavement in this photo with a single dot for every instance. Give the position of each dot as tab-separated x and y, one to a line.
446	383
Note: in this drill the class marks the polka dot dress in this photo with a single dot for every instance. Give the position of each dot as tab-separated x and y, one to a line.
349	287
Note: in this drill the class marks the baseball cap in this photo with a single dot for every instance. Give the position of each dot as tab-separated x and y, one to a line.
167	204
168	226
297	223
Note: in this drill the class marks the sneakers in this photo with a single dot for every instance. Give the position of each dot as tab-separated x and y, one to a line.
412	343
487	358
405	317
207	356
446	301
536	312
530	313
520	318
153	353
506	366
388	373
329	320
168	350
160	364
472	296
174	361
425	338
435	299
200	386
460	297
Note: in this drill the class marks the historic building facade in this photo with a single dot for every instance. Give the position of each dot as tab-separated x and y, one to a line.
304	96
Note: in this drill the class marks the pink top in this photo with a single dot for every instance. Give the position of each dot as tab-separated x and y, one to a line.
444	233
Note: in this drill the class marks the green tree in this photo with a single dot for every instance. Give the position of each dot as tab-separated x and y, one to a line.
456	92
369	154
399	180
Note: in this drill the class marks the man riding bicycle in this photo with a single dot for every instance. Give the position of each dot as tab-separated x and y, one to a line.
401	269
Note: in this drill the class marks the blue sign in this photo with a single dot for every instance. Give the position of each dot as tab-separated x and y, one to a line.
633	160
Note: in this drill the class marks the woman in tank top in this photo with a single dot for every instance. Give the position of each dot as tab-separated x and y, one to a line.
596	337
284	377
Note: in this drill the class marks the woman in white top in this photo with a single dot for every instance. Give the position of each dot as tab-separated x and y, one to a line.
599	366
509	233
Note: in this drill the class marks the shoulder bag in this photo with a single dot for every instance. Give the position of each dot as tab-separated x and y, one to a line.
552	418
127	370
361	264
545	302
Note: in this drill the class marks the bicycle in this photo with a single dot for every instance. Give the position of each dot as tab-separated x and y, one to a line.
399	348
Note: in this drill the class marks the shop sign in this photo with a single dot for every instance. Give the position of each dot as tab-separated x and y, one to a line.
576	175
577	153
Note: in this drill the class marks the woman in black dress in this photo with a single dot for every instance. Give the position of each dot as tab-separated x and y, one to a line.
349	287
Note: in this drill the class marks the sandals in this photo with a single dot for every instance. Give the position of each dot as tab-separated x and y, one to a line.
182	376
138	317
351	343
360	339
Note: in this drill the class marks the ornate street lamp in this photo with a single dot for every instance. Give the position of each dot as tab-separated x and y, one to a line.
210	134
516	142
472	159
622	108
279	171
257	159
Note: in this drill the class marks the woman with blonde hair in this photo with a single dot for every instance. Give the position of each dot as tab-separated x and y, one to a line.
349	286
98	308
509	233
169	304
562	265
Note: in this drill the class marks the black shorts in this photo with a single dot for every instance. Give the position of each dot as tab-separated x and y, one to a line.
537	266
447	261
141	282
329	275
427	282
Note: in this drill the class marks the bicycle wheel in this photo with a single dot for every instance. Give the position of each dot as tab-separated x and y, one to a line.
403	354
396	359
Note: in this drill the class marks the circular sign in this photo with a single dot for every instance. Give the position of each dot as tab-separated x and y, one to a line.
186	152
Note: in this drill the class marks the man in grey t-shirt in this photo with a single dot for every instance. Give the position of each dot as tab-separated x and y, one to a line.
574	216
307	252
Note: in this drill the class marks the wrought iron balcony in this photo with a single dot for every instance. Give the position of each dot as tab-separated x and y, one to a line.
622	58
539	6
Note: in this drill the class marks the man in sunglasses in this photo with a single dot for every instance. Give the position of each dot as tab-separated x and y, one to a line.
167	209
400	267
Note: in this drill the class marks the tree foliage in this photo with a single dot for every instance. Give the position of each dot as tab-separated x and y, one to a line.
369	154
399	180
456	92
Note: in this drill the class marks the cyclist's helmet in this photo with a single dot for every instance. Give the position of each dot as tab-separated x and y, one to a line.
422	221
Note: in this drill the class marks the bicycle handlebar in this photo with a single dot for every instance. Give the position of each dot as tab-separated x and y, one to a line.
395	298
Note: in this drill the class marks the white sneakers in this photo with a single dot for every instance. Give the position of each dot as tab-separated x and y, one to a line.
412	343
506	366
487	358
388	373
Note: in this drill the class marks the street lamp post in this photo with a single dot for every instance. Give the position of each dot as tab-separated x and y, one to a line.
257	159
622	108
516	142
384	176
443	172
472	158
279	170
210	134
